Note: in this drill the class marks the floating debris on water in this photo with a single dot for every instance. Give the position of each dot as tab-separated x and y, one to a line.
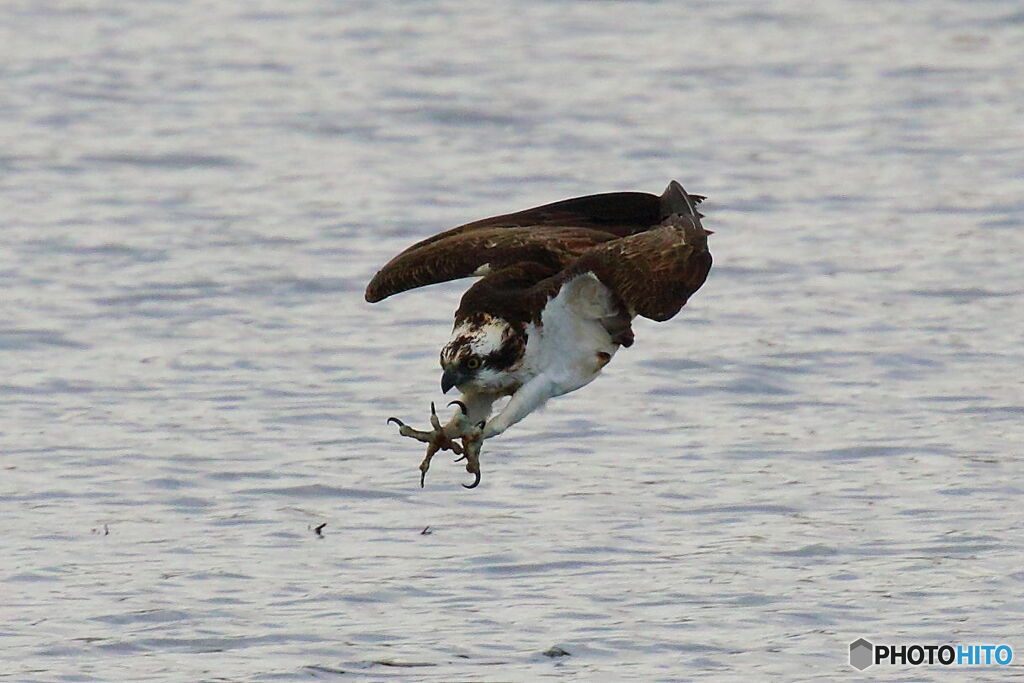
395	662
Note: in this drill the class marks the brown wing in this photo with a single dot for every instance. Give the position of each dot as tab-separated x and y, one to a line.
655	272
553	234
460	255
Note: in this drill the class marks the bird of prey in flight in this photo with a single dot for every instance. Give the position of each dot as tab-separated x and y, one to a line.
559	287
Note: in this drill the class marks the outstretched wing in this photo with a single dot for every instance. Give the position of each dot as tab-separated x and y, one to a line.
655	272
461	255
553	235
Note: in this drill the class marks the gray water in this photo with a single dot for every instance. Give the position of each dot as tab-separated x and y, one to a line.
824	445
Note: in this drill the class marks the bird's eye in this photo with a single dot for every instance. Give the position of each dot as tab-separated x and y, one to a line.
473	363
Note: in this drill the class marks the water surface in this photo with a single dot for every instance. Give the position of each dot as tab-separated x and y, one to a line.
824	445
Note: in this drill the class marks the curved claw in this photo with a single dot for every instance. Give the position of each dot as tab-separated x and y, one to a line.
434	421
442	437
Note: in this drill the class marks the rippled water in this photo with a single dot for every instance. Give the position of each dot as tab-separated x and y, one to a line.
825	445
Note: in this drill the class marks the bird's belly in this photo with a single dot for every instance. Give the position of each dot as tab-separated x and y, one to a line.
572	355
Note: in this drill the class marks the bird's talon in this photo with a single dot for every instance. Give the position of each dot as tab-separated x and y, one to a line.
442	438
425	465
434	421
471	454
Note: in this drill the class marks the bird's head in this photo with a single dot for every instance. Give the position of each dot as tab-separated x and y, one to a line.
481	354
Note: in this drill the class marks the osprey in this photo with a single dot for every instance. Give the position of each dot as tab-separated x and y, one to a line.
559	287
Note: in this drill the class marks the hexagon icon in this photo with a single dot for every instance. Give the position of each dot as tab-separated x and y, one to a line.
861	654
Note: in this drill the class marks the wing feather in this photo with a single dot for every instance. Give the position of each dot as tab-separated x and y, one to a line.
553	235
655	272
462	254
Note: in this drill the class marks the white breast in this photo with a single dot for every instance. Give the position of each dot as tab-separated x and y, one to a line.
567	345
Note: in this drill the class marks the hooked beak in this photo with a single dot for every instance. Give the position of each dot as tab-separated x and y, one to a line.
451	378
